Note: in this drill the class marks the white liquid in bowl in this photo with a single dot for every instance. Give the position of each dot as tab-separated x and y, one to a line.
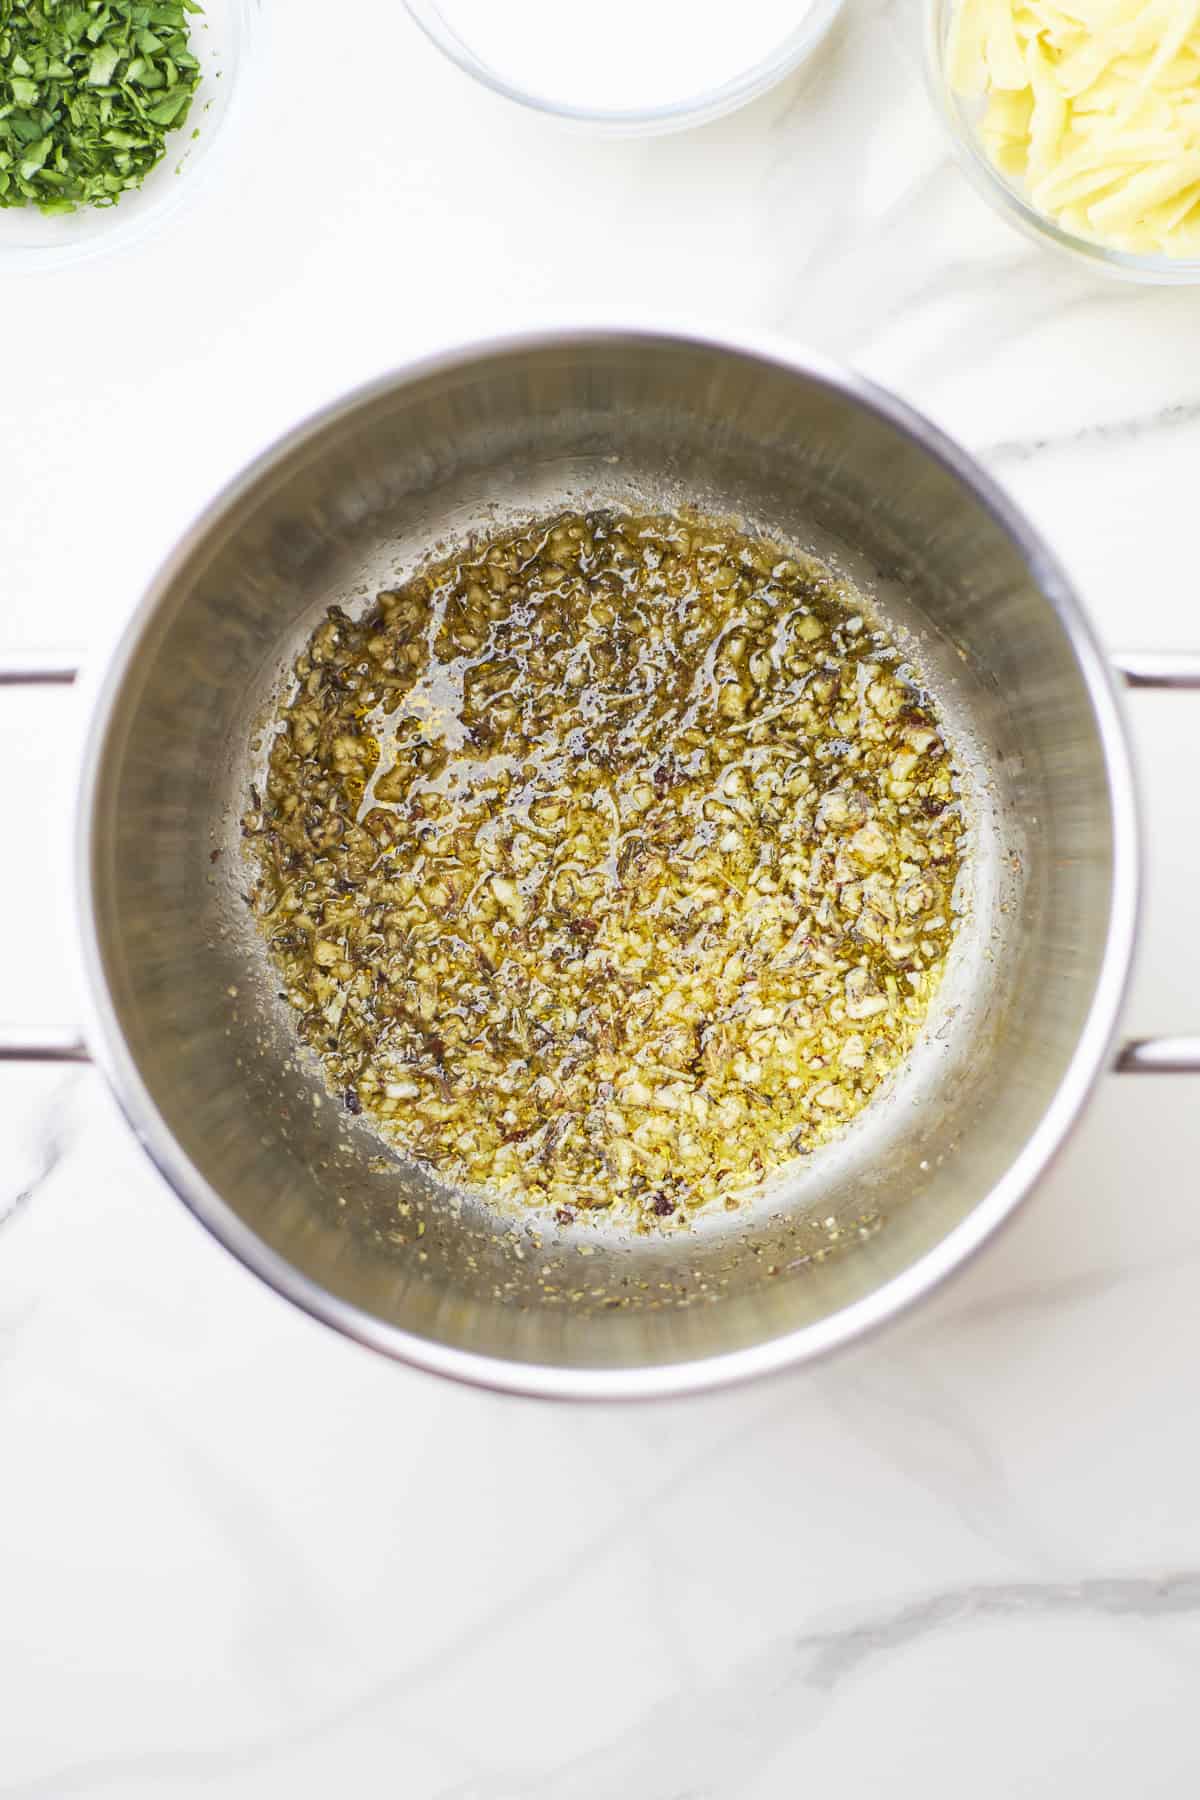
621	55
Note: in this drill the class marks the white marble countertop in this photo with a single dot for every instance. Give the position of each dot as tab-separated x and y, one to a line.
239	1556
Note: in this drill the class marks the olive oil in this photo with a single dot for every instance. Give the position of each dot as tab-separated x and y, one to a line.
609	863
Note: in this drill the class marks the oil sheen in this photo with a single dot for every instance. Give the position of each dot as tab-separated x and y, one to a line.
610	863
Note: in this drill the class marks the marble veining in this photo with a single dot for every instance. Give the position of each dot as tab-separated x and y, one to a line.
699	1745
1179	416
48	1134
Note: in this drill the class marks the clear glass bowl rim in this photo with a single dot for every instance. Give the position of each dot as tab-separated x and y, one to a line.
791	51
1004	198
44	259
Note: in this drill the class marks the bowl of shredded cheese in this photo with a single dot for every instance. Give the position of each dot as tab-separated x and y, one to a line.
1080	120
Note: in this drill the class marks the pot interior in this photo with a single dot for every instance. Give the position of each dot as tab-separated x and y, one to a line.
204	1052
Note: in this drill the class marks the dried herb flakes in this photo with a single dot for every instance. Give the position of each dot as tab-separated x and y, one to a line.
609	863
89	90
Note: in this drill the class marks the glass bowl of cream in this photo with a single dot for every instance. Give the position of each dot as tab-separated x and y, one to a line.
630	67
1080	126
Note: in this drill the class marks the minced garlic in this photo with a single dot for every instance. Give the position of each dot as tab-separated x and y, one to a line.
610	863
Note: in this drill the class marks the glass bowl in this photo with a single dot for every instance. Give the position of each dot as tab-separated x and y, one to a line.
222	37
961	116
745	82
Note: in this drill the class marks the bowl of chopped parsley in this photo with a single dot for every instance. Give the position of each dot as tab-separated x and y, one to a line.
110	110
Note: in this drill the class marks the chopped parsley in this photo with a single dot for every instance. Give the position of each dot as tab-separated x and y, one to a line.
89	90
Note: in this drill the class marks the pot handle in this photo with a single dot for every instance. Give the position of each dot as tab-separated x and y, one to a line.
39	1043
1172	671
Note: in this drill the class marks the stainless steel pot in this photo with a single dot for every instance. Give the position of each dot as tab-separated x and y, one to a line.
183	1019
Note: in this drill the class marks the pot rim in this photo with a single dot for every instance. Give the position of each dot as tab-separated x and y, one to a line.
728	1368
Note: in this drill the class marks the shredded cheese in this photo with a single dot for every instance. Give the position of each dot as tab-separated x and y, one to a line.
1094	106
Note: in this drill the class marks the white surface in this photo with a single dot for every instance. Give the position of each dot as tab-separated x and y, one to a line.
239	1556
620	55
